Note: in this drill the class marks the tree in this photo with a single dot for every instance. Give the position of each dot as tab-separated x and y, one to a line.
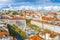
15	30
15	13
28	20
36	28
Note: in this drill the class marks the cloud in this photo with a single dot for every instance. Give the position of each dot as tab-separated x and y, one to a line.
28	8
24	7
36	5
47	8
52	8
44	1
5	1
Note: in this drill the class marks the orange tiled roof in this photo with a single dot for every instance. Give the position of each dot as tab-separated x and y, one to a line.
49	18
52	13
16	18
4	33
35	38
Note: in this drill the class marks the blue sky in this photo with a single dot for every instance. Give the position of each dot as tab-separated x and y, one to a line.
7	4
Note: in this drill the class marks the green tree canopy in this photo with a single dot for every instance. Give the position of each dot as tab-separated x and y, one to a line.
15	13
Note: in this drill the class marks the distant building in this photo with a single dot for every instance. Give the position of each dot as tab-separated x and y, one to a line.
52	14
58	15
21	23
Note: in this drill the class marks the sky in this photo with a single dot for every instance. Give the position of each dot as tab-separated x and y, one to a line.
30	4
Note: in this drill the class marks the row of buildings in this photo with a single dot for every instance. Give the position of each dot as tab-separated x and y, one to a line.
44	20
